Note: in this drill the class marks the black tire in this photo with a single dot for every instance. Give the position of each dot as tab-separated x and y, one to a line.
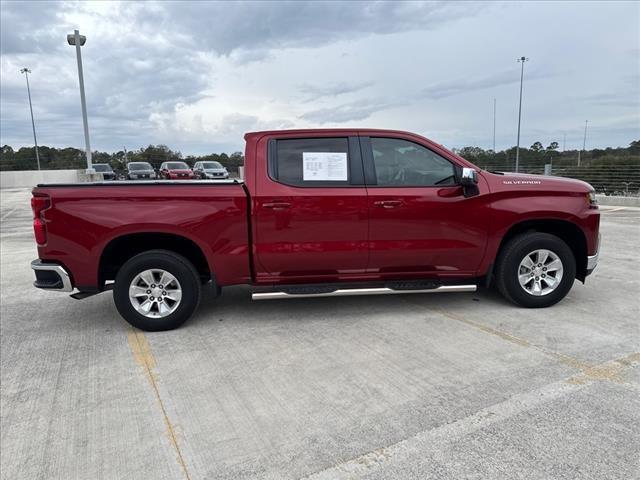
171	262
514	252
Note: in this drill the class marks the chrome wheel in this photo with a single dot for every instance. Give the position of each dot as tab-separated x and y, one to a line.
540	272
155	293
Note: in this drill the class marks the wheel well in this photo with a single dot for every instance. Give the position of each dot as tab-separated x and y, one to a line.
121	249
567	231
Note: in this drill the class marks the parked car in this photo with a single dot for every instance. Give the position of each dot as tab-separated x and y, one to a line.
210	170
176	171
321	213
106	171
140	170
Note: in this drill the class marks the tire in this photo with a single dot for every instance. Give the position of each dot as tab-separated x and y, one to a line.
518	253
161	316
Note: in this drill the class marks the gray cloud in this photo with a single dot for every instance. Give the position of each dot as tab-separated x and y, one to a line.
197	74
466	85
314	92
358	110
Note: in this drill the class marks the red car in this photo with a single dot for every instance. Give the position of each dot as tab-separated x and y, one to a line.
320	213
176	171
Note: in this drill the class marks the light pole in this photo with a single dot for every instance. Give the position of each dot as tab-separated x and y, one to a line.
26	72
494	125
584	141
522	60
79	40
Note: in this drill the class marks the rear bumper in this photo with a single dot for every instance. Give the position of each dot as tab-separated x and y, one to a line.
51	276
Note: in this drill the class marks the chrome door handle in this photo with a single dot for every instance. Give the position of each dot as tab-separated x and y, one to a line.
277	205
388	203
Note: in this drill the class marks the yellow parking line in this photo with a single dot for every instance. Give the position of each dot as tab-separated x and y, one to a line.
143	356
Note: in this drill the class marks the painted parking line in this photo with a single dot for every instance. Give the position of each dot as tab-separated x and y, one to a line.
614	209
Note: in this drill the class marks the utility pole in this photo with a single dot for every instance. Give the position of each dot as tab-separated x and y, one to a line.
26	72
79	40
522	60
494	125
564	142
584	141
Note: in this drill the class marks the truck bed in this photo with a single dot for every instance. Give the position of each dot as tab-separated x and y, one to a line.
86	220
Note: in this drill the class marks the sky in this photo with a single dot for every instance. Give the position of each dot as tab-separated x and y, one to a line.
197	76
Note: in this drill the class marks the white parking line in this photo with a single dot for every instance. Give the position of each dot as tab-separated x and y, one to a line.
614	209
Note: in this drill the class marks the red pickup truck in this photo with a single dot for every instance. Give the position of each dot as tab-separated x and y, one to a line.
320	213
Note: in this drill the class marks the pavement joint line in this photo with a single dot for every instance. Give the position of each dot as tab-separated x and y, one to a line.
607	371
6	215
442	434
143	356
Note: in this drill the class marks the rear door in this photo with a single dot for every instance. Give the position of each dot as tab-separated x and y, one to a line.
420	221
310	212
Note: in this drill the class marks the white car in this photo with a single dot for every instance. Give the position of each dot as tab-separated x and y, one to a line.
210	170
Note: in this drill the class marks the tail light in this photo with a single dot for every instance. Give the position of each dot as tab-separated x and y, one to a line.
39	203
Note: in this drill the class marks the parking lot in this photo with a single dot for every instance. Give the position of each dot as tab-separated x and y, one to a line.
402	386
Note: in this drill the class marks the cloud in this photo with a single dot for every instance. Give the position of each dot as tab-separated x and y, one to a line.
358	110
314	92
465	85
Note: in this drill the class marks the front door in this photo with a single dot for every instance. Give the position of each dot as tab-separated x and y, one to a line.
310	211
420	221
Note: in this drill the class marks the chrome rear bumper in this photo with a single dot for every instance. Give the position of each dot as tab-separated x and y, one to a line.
51	276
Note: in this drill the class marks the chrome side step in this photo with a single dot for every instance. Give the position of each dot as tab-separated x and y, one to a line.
361	291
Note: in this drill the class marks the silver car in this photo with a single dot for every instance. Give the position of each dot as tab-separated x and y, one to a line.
140	170
210	170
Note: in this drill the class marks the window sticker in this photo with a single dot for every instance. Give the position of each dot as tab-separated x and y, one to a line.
319	166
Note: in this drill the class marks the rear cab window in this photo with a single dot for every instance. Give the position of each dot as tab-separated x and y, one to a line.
316	162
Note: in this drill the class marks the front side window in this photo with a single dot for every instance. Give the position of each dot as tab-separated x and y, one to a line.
403	163
311	161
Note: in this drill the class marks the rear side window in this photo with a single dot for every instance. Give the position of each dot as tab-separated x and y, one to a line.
403	163
311	162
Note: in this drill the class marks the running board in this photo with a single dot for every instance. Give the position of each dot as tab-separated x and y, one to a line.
361	291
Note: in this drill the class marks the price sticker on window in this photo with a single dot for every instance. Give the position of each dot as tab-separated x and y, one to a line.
324	166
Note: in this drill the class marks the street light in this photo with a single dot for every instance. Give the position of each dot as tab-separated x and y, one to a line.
522	60
584	140
26	72
78	40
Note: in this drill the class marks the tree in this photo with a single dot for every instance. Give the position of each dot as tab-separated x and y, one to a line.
553	146
537	147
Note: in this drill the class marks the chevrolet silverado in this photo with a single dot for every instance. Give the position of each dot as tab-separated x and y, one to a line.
319	213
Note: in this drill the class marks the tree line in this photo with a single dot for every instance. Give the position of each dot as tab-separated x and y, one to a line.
72	158
532	158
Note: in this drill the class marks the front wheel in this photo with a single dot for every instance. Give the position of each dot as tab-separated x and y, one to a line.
535	270
157	290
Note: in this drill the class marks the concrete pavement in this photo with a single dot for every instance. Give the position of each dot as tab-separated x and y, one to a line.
403	386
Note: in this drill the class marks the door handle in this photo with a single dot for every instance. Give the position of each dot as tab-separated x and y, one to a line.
387	203
277	205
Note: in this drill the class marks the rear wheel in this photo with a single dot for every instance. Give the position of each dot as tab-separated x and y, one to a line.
157	290
535	270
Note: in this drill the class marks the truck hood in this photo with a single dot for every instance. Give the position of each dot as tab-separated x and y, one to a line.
179	170
518	181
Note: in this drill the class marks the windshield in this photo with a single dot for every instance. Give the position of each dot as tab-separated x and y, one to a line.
177	166
211	165
139	166
102	167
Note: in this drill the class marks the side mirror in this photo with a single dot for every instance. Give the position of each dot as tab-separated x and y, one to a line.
468	179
